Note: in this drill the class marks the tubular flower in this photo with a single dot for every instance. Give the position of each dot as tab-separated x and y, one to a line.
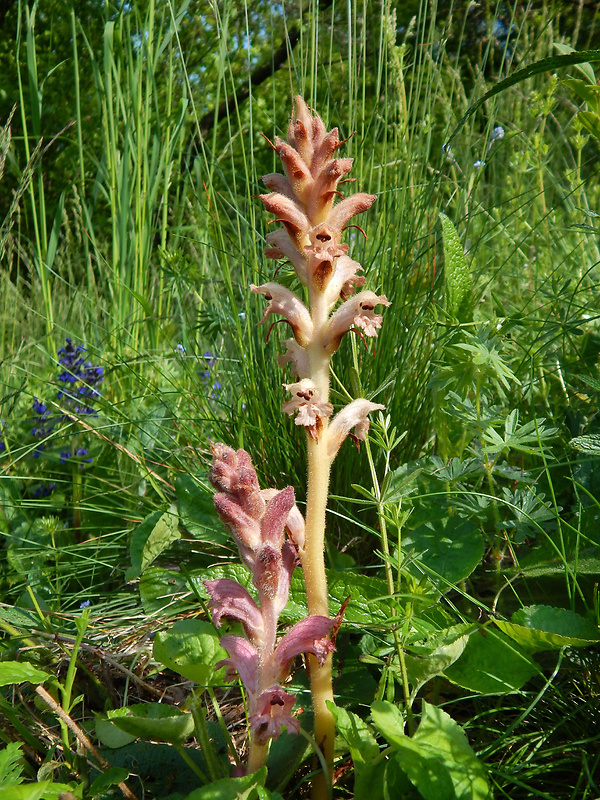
310	407
258	519
353	416
282	301
357	311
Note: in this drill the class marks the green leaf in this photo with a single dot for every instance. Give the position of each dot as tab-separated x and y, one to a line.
19	672
191	648
162	590
546	628
459	286
587	92
27	791
427	773
436	655
154	721
590	443
197	512
151	538
591	122
110	735
399	483
233	788
11	764
491	664
585	69
112	777
447	549
438	760
443	738
355	731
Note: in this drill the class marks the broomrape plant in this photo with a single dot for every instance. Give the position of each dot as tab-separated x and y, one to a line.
304	202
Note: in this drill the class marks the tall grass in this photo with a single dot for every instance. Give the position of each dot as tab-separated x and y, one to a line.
158	234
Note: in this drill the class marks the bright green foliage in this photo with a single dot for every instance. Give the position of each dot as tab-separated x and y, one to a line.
539	628
491	664
162	723
190	647
438	759
457	275
20	671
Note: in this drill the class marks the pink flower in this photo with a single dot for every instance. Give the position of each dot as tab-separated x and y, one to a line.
354	415
284	302
273	711
359	311
310	407
243	658
310	635
229	599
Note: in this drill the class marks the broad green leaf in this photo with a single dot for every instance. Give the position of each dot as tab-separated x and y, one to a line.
436	655
110	735
459	286
491	664
438	759
25	791
191	648
197	512
164	533
20	671
155	721
232	788
427	773
443	738
163	590
546	628
112	777
355	731
447	549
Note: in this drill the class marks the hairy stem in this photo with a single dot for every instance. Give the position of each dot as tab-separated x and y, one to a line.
313	555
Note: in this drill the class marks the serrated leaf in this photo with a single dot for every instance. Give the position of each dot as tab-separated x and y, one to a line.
355	731
191	648
491	663
433	657
459	285
543	627
154	721
438	759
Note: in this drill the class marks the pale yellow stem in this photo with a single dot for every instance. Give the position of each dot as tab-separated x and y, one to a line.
313	554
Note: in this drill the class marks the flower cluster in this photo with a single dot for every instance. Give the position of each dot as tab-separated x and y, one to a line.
79	378
258	521
78	381
303	201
